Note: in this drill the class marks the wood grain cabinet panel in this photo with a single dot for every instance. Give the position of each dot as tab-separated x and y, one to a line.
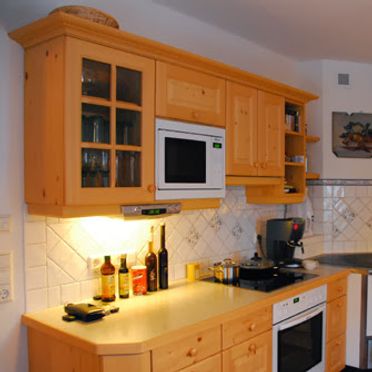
336	318
212	364
135	362
245	327
89	127
335	356
270	134
241	131
336	289
254	355
187	351
189	95
254	132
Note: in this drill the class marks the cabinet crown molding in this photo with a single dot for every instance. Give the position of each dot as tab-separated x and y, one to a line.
62	24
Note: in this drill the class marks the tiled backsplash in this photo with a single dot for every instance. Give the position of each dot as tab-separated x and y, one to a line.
57	249
343	214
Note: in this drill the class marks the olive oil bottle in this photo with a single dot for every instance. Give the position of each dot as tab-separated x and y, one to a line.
108	280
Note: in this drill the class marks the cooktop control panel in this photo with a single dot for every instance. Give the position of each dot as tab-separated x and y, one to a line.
297	304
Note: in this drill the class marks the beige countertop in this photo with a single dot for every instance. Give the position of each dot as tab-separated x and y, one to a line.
145	322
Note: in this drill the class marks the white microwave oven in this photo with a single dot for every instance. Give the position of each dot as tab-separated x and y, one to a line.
190	161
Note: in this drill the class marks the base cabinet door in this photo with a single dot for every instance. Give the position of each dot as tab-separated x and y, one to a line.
335	358
254	355
212	364
135	362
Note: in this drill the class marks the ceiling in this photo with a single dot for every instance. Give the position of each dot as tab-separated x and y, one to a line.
303	30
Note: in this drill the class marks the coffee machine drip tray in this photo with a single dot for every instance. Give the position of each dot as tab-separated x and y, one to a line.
281	278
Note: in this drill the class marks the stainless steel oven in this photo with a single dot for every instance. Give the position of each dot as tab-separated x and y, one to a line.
299	326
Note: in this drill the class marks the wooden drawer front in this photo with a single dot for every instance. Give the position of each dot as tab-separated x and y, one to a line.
246	327
336	289
189	95
335	361
336	318
212	364
254	355
135	362
187	351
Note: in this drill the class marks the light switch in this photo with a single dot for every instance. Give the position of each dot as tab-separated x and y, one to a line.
6	277
4	223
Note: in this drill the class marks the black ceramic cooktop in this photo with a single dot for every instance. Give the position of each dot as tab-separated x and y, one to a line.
280	279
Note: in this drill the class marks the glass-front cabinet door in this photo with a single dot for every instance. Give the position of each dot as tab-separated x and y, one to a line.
110	130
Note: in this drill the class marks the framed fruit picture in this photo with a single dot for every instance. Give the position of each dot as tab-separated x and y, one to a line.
352	135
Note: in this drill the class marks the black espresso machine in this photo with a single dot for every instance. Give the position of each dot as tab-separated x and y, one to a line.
282	237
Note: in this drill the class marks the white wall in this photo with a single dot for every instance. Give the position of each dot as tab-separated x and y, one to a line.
322	75
12	337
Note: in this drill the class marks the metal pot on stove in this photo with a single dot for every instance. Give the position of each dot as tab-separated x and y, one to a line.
226	272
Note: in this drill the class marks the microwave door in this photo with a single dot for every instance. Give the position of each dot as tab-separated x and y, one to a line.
182	160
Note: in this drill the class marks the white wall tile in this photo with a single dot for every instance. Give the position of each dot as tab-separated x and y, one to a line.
35	232
35	255
70	293
36	278
54	296
36	299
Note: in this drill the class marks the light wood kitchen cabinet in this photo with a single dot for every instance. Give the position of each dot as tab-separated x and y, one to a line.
254	132
89	136
246	326
335	356
189	95
90	109
118	363
241	131
187	351
270	134
212	364
254	355
336	318
336	325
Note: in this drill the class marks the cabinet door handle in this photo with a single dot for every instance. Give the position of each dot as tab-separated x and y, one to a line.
256	164
252	348
192	352
195	115
339	305
252	327
151	188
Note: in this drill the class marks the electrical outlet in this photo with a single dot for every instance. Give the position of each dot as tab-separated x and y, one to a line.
94	263
5	293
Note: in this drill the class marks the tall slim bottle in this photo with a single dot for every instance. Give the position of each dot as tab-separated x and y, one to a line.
151	263
163	260
108	280
123	276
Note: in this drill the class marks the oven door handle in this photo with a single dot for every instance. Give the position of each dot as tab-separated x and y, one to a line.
301	318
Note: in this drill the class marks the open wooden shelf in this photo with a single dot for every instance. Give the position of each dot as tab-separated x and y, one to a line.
312	176
312	139
293	133
294	164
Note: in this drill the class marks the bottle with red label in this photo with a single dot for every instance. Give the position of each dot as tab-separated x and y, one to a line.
108	280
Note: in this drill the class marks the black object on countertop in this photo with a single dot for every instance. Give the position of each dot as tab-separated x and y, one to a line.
84	312
363	260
